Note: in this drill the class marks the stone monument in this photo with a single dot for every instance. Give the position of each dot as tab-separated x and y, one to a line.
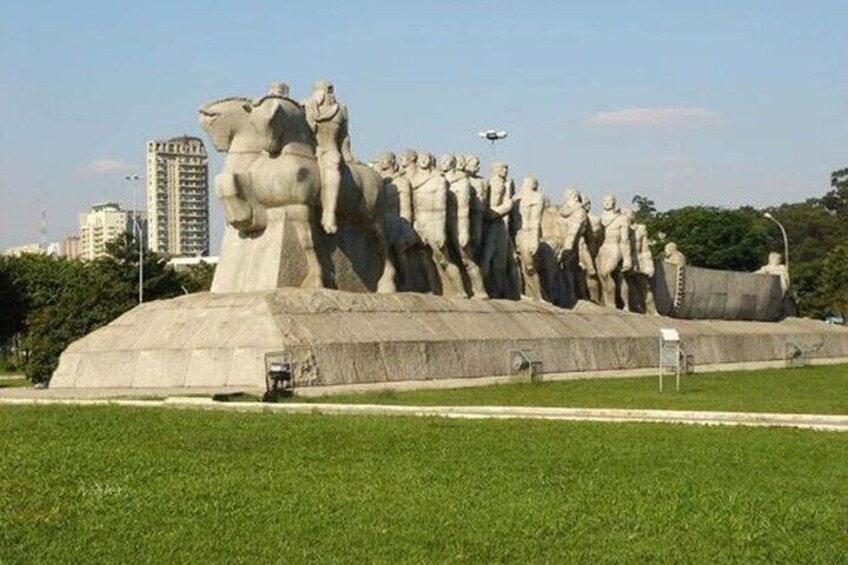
318	244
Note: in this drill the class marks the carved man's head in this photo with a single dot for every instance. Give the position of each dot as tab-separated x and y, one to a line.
460	162
529	184
323	91
472	164
629	215
408	158
670	248
775	259
609	203
426	161
280	89
570	195
447	163
386	161
500	169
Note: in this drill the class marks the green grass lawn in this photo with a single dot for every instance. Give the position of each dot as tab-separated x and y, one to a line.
813	390
10	381
106	484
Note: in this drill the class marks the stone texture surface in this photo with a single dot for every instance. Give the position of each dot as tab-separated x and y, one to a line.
694	293
220	340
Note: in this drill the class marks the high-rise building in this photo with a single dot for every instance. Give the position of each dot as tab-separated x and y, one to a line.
178	196
104	223
70	247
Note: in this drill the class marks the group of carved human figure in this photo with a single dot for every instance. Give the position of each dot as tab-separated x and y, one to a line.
439	227
488	241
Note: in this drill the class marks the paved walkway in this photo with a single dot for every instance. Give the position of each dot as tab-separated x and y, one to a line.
805	421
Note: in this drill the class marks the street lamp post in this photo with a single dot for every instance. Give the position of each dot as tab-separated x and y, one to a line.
135	180
493	137
768	216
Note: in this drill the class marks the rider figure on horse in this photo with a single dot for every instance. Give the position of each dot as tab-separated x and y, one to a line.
329	122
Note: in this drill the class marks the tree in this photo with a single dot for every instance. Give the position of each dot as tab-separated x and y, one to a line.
644	208
12	302
836	200
713	237
834	280
121	263
197	278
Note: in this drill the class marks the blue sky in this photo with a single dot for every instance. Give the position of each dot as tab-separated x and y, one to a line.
715	102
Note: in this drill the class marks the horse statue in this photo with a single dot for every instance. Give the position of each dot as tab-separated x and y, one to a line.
271	177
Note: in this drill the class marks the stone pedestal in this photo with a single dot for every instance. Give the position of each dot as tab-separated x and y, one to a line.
221	340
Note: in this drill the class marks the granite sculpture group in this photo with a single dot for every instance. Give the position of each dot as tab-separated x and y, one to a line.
434	226
395	270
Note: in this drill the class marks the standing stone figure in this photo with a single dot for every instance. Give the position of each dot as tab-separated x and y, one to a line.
329	122
614	256
530	205
498	254
397	213
429	205
775	266
590	244
643	270
459	224
574	221
479	202
460	162
673	256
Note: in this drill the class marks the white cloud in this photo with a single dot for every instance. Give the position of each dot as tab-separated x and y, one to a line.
656	117
107	167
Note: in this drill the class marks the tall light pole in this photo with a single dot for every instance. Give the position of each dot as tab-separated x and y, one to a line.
493	137
135	180
768	215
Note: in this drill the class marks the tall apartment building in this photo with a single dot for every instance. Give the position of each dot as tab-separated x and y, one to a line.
103	223
178	196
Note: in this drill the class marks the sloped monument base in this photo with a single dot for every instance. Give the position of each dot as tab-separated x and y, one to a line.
335	338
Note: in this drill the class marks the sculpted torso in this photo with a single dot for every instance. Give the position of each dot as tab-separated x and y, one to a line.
616	245
429	201
644	258
530	209
458	212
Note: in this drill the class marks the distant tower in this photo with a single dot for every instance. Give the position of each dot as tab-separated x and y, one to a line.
178	196
42	230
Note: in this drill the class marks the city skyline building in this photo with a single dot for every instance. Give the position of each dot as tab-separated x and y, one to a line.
178	196
105	222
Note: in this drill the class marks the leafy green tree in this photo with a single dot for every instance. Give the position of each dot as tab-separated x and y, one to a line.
837	199
12	302
644	208
834	280
121	264
713	237
197	278
87	299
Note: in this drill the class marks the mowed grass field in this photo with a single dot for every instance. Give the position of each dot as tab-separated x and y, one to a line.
123	485
804	390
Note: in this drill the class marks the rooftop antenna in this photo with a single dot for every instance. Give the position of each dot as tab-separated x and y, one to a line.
493	136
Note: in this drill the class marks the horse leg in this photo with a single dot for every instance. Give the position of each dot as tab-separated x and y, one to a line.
236	209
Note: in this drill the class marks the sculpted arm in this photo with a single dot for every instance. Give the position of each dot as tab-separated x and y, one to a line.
405	198
347	155
626	244
440	220
535	221
310	110
463	212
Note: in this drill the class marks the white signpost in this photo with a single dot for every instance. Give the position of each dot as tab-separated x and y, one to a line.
670	355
